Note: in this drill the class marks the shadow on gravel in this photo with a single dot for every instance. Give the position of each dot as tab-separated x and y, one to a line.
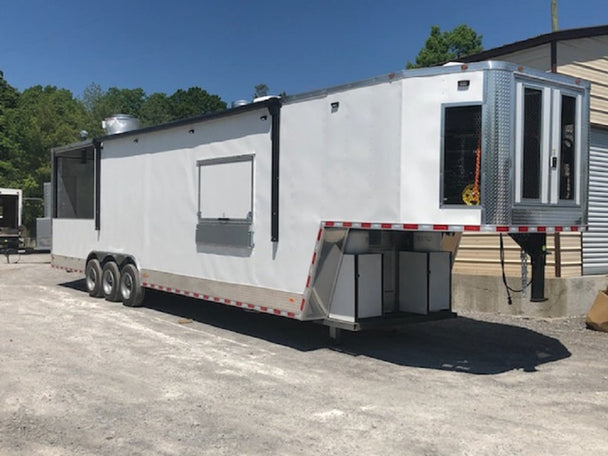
460	344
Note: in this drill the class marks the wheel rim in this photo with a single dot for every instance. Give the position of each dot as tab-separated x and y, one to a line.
126	287
108	283
91	279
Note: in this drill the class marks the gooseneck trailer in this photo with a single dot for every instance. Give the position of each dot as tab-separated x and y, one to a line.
343	205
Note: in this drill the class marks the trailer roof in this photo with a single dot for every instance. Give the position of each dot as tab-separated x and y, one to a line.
449	68
276	102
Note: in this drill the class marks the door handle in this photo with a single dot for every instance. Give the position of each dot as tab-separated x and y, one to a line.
553	162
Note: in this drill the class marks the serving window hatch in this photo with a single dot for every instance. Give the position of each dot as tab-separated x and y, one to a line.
225	201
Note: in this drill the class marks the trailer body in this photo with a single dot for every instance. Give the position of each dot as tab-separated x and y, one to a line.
342	205
11	203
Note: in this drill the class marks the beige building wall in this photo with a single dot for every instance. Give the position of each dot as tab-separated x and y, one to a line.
479	254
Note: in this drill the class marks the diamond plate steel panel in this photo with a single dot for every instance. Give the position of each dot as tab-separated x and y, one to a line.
498	121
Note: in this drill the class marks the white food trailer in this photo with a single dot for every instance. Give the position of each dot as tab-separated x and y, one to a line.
342	205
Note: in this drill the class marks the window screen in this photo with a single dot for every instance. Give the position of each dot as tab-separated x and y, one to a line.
75	173
462	155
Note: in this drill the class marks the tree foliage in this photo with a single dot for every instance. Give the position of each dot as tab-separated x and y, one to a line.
40	118
441	47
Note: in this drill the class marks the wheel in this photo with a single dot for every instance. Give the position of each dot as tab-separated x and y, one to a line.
93	278
131	291
110	279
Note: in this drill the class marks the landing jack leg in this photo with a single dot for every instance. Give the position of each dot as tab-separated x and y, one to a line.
535	245
335	334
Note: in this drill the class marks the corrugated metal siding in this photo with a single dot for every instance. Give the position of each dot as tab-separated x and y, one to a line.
595	241
479	254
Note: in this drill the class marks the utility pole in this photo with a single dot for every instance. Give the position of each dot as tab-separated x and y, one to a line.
554	26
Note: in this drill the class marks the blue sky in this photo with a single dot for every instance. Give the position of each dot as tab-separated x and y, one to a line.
227	47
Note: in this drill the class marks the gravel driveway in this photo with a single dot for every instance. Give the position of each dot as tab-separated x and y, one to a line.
82	376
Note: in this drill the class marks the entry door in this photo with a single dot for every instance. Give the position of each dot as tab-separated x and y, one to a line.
548	144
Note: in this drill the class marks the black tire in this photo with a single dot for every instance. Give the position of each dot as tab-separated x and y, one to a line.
110	281
131	291
92	275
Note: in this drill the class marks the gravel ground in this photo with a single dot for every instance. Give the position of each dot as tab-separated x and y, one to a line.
82	376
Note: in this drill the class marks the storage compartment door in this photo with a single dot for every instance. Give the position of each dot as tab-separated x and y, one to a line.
413	285
439	281
343	302
369	286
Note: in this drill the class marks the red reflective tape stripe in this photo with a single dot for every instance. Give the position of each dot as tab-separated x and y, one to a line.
366	225
178	290
522	229
144	284
472	228
329	223
239	303
308	282
314	257
502	229
169	289
291	314
440	227
160	287
347	224
277	312
227	301
251	306
409	226
559	228
574	228
302	305
319	235
205	296
216	299
196	295
541	229
386	225
264	309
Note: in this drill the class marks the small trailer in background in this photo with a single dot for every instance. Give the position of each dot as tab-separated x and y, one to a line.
11	203
343	205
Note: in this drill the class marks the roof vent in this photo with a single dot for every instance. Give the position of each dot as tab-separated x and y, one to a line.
237	103
119	123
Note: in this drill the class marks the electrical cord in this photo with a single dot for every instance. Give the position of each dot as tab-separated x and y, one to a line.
504	276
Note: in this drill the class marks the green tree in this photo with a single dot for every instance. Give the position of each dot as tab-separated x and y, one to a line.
155	110
441	47
194	102
44	117
9	97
